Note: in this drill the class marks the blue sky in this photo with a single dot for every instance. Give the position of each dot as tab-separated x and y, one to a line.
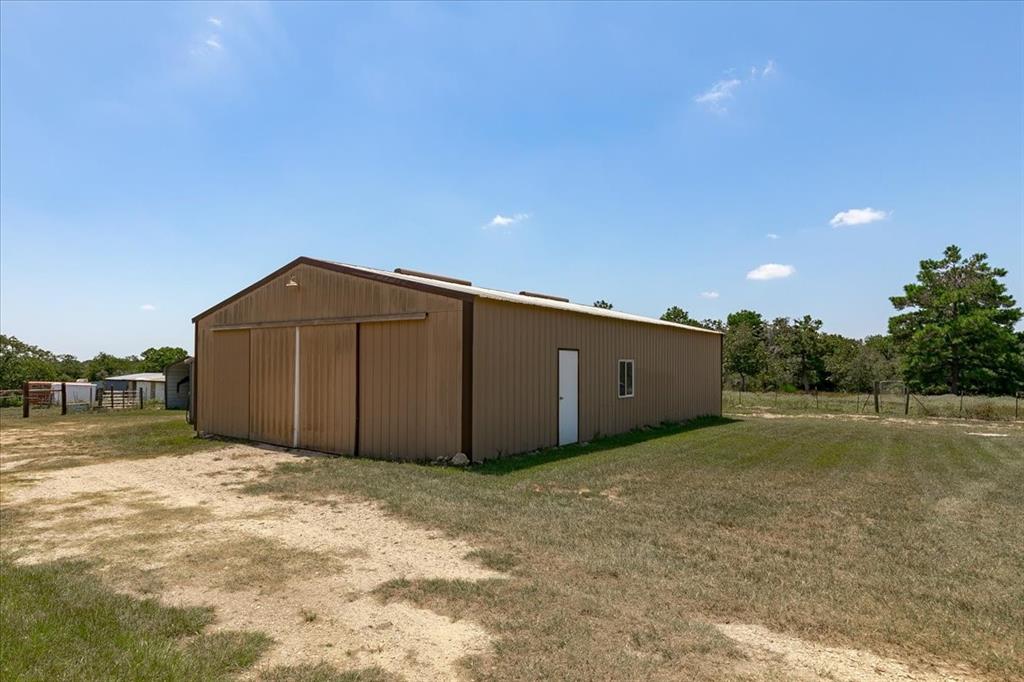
154	159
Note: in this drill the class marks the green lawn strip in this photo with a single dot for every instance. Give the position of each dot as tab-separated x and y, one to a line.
57	622
902	539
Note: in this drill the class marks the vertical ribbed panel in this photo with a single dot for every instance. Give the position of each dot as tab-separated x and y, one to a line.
225	404
272	387
515	375
410	377
327	388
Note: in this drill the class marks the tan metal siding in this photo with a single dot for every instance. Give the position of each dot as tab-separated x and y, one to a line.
515	375
327	387
324	294
321	294
410	377
225	405
272	385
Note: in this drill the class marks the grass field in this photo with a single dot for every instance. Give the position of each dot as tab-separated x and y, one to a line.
625	556
48	441
902	539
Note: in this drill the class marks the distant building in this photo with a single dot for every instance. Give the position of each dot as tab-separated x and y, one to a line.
179	385
46	393
151	383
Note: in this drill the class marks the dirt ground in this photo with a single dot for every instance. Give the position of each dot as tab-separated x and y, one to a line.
807	661
179	528
302	573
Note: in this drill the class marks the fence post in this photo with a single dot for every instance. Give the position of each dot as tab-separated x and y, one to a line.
140	396
63	397
876	397
906	404
24	400
961	404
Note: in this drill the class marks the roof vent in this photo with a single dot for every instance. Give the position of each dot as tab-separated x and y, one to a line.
440	278
549	297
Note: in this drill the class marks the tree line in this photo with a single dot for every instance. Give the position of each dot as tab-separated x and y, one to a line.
953	332
20	362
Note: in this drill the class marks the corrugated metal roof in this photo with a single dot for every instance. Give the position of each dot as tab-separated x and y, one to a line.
511	297
141	376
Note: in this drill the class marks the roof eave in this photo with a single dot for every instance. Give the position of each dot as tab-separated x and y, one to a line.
335	267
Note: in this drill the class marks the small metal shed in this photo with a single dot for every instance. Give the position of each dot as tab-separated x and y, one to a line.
178	387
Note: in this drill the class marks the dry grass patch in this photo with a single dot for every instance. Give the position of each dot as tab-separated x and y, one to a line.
182	530
901	540
50	442
253	563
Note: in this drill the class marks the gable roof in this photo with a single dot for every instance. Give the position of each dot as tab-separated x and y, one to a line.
453	290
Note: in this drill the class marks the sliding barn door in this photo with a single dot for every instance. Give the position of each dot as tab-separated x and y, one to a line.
226	404
327	388
272	385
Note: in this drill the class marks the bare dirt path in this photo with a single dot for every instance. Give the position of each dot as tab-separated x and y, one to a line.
179	528
803	660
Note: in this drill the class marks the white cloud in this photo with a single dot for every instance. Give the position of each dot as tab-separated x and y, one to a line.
771	271
714	98
148	307
215	21
709	294
718	95
772	235
507	220
214	42
857	216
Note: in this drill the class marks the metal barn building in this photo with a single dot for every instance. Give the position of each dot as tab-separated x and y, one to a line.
178	377
405	365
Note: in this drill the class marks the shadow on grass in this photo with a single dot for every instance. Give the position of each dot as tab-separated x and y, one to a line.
508	465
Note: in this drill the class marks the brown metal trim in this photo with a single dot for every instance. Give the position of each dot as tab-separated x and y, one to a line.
194	388
549	297
344	269
430	275
355	440
314	322
721	375
467	378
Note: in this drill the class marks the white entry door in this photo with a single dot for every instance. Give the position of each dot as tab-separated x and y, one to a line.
568	397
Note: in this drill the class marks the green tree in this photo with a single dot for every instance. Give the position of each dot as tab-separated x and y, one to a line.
958	329
106	365
69	368
156	359
744	350
603	304
20	362
778	370
679	316
806	350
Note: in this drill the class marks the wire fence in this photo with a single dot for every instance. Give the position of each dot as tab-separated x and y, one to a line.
904	404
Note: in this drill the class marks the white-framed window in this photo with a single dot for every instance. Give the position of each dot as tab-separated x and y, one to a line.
626	378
